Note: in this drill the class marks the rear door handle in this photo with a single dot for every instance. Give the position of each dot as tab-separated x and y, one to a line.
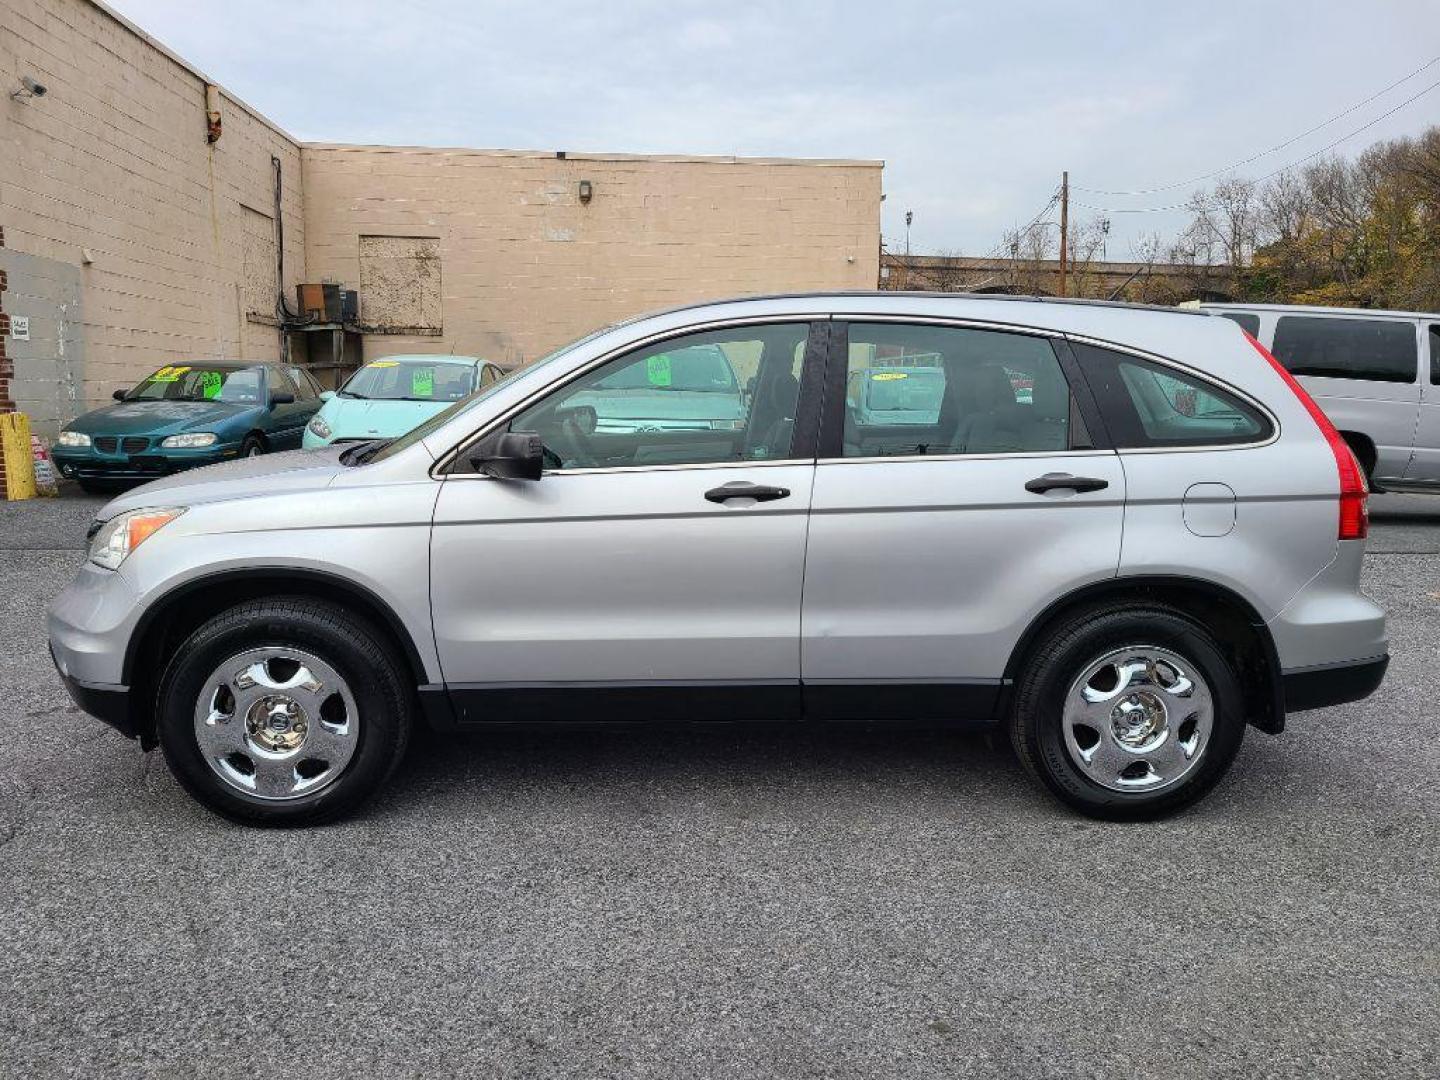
1054	481
743	489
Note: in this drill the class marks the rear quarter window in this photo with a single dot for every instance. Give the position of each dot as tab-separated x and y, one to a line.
1247	320
1147	405
1379	350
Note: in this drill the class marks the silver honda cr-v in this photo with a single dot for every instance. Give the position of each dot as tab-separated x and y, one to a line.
1125	533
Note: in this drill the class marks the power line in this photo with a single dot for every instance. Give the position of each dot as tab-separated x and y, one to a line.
1278	146
1270	175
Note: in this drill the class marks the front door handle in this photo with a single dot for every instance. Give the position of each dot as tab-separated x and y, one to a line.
1054	481
743	489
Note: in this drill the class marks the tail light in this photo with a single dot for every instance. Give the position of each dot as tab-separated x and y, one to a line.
1354	491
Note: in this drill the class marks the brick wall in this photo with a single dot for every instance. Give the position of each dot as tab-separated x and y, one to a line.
525	265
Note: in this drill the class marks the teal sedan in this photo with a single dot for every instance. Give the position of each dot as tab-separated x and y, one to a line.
389	396
186	415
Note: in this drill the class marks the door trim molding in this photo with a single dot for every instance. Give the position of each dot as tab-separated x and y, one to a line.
475	705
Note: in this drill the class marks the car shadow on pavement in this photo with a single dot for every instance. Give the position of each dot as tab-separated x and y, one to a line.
651	762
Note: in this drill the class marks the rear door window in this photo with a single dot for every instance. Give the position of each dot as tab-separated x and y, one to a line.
914	390
1435	355
1148	405
1379	350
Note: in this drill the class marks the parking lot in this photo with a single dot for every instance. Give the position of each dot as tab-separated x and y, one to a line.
725	901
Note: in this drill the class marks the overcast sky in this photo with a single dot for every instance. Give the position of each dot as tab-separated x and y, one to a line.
975	108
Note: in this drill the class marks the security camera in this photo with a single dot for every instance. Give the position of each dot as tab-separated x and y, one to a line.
29	88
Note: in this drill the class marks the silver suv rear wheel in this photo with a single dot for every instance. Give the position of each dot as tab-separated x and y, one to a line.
1127	711
1138	718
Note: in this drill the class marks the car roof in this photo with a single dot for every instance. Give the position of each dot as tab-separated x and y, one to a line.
1308	309
223	365
902	301
429	358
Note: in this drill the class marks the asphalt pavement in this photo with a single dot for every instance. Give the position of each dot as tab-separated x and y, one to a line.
725	901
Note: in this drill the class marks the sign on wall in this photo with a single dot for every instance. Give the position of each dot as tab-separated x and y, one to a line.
20	327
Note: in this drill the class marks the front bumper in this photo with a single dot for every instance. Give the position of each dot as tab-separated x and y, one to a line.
1333	684
87	463
102	701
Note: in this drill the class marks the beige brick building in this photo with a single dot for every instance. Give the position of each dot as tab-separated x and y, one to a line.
132	240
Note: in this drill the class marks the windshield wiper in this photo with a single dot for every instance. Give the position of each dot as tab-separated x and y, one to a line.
351	393
361	452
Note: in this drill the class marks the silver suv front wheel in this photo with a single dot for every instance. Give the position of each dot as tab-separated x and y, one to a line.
277	722
285	711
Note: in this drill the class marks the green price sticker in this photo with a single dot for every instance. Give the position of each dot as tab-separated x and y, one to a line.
422	382
657	370
210	383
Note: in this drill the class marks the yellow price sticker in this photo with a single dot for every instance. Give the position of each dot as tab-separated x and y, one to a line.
888	376
384	363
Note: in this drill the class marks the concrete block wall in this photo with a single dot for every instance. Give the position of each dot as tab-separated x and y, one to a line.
141	244
110	173
526	266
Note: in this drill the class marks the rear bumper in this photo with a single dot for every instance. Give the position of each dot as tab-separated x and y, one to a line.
1333	684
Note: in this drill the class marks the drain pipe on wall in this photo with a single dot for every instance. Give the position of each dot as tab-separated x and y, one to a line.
288	319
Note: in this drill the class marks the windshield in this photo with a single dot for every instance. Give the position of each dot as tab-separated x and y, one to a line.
698	368
196	382
381	451
394	380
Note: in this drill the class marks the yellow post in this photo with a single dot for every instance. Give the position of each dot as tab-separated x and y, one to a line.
19	459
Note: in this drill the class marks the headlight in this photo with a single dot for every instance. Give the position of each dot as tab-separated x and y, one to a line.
319	427
117	538
190	440
73	438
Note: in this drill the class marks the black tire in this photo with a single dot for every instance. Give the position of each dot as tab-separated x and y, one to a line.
1065	653
355	649
96	487
253	446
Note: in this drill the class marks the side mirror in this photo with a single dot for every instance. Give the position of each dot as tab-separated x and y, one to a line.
282	397
510	455
119	395
326	395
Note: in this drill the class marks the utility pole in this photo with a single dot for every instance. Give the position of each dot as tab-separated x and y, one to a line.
905	280
1064	225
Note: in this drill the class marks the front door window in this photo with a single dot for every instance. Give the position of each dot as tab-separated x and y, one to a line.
718	396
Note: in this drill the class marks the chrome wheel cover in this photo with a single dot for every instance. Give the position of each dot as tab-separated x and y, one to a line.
1138	719
276	723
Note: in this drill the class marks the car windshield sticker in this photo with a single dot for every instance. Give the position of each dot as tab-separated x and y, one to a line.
210	383
384	363
657	370
422	382
168	374
888	376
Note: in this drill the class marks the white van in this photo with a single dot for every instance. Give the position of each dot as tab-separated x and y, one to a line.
1375	373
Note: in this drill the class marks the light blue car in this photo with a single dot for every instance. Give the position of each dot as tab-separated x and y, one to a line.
389	396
